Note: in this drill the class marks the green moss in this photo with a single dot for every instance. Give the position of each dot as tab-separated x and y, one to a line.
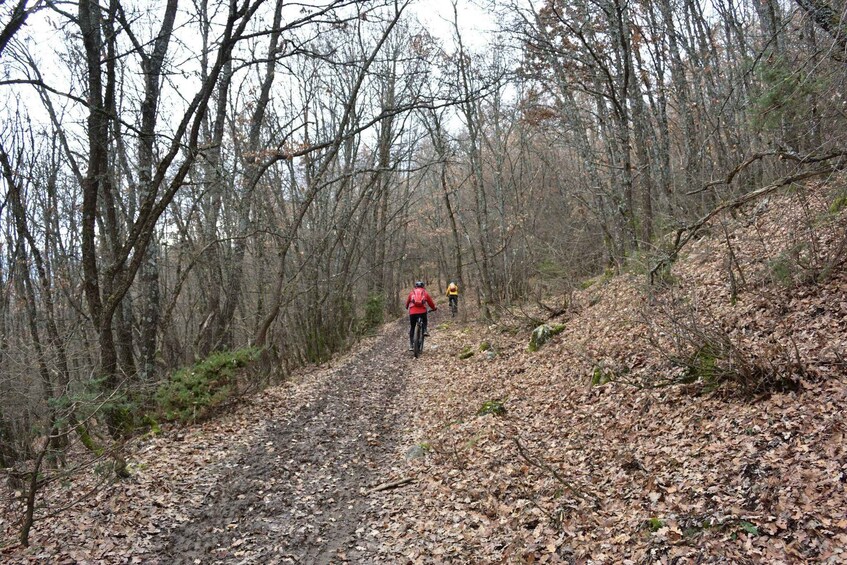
539	337
495	407
839	203
484	346
466	353
654	524
600	376
88	441
542	335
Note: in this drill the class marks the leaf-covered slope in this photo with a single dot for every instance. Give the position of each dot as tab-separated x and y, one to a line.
638	469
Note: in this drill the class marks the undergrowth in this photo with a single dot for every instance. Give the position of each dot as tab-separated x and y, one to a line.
193	392
708	355
374	314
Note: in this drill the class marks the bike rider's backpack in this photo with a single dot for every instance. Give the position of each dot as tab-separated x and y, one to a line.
418	297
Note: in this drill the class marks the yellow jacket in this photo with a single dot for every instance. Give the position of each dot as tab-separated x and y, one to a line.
453	290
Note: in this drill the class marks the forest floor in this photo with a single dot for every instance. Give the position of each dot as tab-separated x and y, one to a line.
700	420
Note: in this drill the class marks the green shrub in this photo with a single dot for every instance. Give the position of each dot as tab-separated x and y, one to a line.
192	392
711	356
703	364
121	410
782	270
715	359
549	269
749	527
663	275
374	313
783	87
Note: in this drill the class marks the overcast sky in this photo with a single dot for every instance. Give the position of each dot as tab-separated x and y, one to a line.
476	22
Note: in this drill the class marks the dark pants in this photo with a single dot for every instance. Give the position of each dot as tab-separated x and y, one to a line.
413	319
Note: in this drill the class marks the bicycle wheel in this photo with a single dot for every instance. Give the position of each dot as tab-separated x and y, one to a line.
454	307
417	341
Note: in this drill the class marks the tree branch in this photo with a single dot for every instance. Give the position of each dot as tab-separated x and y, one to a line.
544	466
685	234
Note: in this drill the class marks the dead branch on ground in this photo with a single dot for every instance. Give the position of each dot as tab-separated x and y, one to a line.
392	484
544	466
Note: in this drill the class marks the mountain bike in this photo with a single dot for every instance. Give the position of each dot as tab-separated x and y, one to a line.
418	338
454	304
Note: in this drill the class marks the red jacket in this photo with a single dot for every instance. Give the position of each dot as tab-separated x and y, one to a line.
422	308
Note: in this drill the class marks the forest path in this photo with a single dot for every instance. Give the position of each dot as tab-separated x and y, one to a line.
299	492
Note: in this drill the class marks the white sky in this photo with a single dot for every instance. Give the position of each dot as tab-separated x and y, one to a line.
476	22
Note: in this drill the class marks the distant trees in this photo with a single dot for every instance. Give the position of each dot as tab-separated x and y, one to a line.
657	99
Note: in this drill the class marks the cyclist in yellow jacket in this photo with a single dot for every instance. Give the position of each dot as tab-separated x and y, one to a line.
453	296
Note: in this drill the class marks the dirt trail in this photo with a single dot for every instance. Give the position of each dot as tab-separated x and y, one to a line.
299	493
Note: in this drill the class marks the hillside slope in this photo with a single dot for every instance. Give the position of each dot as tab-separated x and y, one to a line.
745	463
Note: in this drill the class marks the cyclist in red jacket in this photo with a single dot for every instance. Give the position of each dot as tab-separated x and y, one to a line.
416	304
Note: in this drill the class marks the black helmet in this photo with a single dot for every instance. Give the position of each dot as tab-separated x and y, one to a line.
419	284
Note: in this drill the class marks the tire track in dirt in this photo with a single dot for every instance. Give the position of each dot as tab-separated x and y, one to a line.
299	493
